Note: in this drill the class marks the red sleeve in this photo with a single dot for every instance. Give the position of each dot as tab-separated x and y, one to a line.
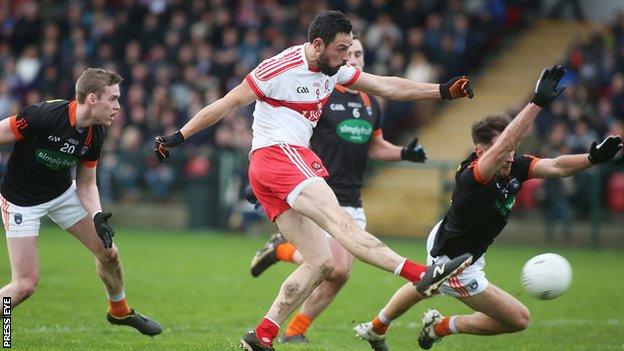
254	87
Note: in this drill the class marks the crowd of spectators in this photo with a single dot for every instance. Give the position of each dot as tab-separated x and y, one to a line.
177	56
591	108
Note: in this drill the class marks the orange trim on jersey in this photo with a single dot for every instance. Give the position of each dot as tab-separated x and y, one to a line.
89	137
340	88
476	173
377	132
16	133
365	99
72	112
533	162
89	164
353	78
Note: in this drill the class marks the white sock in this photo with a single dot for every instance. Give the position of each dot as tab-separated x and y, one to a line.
399	268
382	317
452	326
116	297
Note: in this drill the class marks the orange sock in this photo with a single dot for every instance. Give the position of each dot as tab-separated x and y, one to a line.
299	325
285	252
118	308
379	327
442	329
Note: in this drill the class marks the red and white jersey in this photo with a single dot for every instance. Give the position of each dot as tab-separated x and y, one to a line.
291	96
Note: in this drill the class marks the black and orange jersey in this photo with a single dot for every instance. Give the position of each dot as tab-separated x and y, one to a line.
479	210
48	146
341	139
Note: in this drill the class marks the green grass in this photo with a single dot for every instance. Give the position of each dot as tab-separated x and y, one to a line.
199	288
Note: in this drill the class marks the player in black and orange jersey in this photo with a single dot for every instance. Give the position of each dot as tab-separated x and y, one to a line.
346	135
50	139
486	185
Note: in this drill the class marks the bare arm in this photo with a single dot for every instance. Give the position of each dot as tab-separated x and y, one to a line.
383	150
87	190
507	142
545	91
7	134
562	166
240	96
395	88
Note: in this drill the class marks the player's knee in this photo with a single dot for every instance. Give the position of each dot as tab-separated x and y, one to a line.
521	320
326	266
341	272
110	256
26	286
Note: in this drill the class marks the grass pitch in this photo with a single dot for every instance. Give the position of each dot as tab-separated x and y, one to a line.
199	287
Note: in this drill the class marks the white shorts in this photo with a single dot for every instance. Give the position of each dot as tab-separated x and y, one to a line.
469	283
65	210
357	213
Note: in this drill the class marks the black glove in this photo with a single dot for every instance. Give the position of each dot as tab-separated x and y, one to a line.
250	196
546	87
103	229
161	143
414	152
605	151
455	88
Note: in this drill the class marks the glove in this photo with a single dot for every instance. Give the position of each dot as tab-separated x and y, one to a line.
546	87
455	88
251	198
103	229
414	152
161	143
605	151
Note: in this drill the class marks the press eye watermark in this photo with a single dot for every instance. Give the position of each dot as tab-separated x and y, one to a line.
6	322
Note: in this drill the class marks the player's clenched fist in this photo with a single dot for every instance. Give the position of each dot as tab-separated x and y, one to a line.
161	143
456	87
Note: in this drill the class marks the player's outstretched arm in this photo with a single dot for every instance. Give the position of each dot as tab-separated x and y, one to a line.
7	135
383	150
240	96
567	165
546	90
401	89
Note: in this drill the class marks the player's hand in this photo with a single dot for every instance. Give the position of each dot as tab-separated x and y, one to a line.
546	88
251	198
606	150
455	88
161	143
414	152
103	229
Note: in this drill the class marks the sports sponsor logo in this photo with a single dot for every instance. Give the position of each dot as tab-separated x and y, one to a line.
303	90
54	138
18	218
73	141
316	166
354	104
438	270
337	107
55	160
355	130
473	285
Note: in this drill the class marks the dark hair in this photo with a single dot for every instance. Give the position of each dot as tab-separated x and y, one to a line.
327	25
487	128
94	80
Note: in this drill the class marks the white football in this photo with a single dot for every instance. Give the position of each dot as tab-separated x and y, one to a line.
546	276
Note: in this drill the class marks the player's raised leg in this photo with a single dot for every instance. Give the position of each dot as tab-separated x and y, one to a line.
109	269
319	203
24	260
317	264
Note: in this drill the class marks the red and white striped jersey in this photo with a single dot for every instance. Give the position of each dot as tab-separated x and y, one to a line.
291	96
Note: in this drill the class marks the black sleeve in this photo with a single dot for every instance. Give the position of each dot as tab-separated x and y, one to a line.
522	165
94	150
29	122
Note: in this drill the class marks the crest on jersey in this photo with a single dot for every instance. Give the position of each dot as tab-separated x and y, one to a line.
18	218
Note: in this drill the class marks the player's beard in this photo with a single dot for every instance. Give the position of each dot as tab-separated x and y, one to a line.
323	63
